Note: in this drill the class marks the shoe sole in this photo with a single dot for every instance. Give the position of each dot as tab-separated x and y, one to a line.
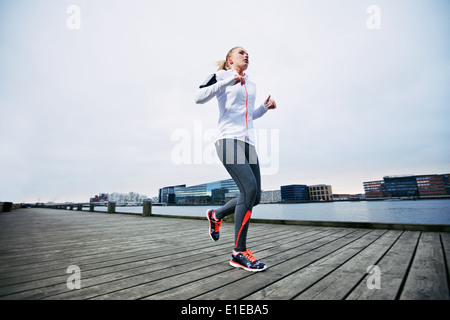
237	265
209	221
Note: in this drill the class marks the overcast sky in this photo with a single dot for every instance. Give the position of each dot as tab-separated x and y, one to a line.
107	105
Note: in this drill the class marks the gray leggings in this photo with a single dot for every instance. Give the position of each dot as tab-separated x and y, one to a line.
241	161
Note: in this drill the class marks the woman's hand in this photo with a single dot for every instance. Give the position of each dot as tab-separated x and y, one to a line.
240	79
271	103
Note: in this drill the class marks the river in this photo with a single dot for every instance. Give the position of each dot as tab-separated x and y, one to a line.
391	211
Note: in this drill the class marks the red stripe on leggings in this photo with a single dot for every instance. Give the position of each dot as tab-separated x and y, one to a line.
246	218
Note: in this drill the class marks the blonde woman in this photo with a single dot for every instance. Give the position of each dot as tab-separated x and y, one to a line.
235	145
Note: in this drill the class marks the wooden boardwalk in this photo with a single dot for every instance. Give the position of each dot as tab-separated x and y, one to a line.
134	257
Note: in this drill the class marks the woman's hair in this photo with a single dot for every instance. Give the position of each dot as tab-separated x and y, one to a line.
223	64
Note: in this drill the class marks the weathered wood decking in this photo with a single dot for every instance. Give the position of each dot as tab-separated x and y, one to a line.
133	257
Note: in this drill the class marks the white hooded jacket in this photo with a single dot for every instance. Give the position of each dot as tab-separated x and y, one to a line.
236	106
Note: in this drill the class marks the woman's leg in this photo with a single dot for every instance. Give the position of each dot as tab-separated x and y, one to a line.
241	162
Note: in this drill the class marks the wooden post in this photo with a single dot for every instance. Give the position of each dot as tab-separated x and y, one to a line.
7	206
79	207
111	207
91	207
147	208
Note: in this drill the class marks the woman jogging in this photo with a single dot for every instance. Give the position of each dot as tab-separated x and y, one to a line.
235	146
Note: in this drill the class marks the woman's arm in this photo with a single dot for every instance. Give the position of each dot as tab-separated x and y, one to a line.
207	93
262	109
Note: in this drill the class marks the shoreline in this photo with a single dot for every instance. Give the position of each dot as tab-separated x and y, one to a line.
274	217
424	227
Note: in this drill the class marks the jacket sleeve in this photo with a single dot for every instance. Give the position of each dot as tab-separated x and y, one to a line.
207	93
260	111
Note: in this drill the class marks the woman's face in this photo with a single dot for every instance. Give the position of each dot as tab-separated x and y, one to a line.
239	59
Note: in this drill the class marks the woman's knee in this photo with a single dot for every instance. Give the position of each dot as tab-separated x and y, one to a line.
252	195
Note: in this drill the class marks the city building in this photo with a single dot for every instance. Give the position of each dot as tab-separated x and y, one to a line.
127	199
374	189
348	197
270	196
400	186
206	193
409	186
103	197
431	185
121	199
167	194
155	199
303	193
320	192
446	179
294	192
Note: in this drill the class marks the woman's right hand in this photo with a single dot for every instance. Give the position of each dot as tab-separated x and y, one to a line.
240	79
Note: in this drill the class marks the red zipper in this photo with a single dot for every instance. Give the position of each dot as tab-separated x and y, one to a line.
246	113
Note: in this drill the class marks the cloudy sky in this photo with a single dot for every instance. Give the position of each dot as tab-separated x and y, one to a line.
98	95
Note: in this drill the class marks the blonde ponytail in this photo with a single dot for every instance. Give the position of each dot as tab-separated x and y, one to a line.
223	64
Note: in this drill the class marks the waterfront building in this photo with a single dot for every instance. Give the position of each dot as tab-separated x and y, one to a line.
167	194
431	185
206	193
155	199
446	179
409	186
294	192
121	199
320	192
401	186
102	197
273	196
127	199
374	189
348	197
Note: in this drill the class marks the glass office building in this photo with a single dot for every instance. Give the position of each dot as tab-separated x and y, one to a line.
446	181
206	193
167	194
295	192
401	186
423	186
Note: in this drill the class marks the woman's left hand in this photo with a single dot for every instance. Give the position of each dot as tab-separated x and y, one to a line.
271	102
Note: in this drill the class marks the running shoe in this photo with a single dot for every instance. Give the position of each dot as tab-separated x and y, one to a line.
247	261
214	225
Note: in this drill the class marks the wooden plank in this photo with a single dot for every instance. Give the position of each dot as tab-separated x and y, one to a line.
223	276
292	285
284	264
142	267
58	261
53	285
112	247
445	240
393	267
44	250
427	277
337	284
207	268
132	257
